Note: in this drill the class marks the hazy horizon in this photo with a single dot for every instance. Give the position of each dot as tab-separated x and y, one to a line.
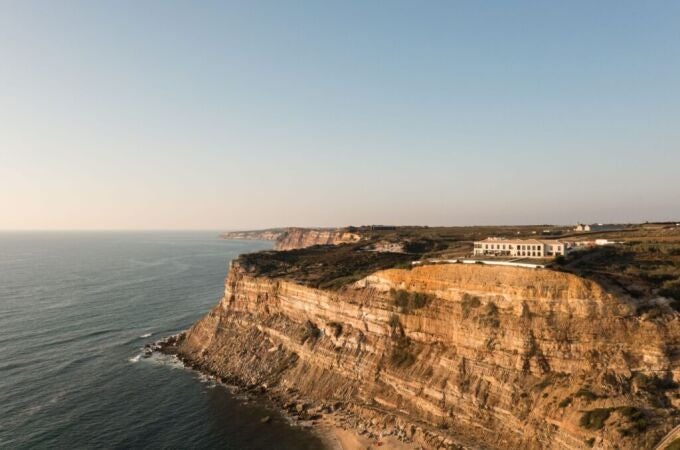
221	230
231	116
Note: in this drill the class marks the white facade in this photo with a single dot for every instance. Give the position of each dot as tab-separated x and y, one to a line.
520	248
596	227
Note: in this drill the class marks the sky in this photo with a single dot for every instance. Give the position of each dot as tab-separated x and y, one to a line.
252	114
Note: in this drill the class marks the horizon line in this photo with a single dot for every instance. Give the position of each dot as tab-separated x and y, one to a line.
256	228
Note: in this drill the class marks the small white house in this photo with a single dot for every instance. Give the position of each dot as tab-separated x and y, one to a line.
595	227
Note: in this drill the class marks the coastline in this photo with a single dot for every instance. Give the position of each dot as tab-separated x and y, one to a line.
334	424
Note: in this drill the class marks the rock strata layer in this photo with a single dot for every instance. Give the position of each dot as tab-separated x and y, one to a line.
294	238
304	237
490	357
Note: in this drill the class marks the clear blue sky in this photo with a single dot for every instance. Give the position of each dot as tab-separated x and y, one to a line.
224	115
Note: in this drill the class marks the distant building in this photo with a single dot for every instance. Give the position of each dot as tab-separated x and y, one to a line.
520	248
596	227
586	244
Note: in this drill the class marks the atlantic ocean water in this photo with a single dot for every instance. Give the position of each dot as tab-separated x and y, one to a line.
75	310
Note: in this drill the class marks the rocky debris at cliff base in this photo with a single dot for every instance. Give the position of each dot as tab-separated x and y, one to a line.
166	345
331	419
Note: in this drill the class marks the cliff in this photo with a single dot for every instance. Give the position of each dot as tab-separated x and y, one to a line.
295	238
306	237
271	234
455	355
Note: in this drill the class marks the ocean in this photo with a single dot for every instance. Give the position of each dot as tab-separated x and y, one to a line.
75	310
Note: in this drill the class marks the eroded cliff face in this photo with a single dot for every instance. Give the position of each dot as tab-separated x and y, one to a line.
294	238
497	357
260	235
306	237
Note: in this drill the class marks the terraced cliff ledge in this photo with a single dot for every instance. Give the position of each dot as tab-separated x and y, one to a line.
453	356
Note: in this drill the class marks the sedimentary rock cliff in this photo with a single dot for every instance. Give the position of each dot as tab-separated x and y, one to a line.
482	357
272	234
306	237
293	238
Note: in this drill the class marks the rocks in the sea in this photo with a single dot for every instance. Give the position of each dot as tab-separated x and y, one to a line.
167	345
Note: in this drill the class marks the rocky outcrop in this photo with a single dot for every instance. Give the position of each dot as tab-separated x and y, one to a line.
272	234
293	238
306	237
484	357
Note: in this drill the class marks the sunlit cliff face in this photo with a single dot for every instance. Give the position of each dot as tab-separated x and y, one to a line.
494	350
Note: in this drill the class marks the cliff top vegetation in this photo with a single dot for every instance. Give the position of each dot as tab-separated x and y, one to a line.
645	263
323	266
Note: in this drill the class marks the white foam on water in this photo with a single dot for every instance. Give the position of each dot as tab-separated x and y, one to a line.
135	359
162	359
146	335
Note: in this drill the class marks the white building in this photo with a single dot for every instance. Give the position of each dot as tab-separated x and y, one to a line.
520	248
596	227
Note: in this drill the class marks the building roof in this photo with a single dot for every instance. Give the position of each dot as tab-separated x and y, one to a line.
496	240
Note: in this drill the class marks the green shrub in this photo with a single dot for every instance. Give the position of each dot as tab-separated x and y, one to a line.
420	299
586	394
595	418
653	384
400	298
630	411
419	246
400	356
337	328
564	403
407	301
308	331
489	316
394	321
468	303
638	420
636	428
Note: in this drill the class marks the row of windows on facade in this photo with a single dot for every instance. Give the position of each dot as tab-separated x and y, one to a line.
510	247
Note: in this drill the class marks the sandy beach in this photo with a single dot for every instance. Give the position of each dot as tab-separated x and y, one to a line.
339	437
